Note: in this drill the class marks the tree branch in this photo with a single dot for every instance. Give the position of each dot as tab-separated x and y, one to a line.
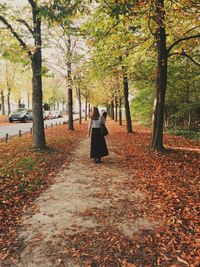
182	39
27	25
32	3
194	28
15	34
185	55
149	19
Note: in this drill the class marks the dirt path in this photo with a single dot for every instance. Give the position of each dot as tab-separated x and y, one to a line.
86	201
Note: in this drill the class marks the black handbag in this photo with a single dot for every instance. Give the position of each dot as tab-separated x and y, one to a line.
104	130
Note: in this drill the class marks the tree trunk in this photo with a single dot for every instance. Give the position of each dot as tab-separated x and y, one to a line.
120	111
2	103
38	136
86	105
80	105
108	110
161	81
8	99
69	83
89	111
28	99
188	96
19	103
112	113
63	105
116	109
126	102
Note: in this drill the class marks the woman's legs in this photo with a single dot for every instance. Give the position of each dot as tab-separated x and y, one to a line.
97	159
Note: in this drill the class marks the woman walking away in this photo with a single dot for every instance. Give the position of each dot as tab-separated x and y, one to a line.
98	147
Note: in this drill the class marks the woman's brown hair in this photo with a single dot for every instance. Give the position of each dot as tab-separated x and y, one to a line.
95	114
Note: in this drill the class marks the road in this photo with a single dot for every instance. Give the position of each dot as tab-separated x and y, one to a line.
13	129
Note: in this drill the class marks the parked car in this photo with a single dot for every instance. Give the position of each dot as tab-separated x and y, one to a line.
59	114
22	115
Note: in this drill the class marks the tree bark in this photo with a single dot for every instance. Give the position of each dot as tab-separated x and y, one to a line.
80	104
69	83
8	99
38	136
120	111
86	106
188	96
89	115
28	99
126	102
116	109
19	103
112	113
2	103
161	80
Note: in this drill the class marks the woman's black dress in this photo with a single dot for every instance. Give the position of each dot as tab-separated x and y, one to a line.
98	144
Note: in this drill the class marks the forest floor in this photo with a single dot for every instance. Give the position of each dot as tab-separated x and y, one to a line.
136	208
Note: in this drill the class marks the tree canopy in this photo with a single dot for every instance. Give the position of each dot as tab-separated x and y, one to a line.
141	54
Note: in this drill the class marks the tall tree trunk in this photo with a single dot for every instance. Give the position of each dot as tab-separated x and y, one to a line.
120	111
86	106
8	99
188	95
69	83
89	110
116	109
2	103
38	136
112	113
161	80
80	104
126	102
19	103
63	105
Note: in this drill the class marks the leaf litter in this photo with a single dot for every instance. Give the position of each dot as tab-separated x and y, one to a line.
169	184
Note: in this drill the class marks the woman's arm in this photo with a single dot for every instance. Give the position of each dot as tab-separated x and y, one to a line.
102	120
89	127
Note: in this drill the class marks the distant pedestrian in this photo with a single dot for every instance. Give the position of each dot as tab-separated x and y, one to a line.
98	147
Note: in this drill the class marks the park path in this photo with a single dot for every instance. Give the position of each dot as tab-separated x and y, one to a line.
73	205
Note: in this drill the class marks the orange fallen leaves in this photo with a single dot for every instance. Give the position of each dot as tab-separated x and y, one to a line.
24	173
169	182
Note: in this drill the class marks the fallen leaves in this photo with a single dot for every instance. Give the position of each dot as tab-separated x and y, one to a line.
168	184
183	261
24	173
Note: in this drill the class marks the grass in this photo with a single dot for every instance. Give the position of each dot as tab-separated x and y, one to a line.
193	135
